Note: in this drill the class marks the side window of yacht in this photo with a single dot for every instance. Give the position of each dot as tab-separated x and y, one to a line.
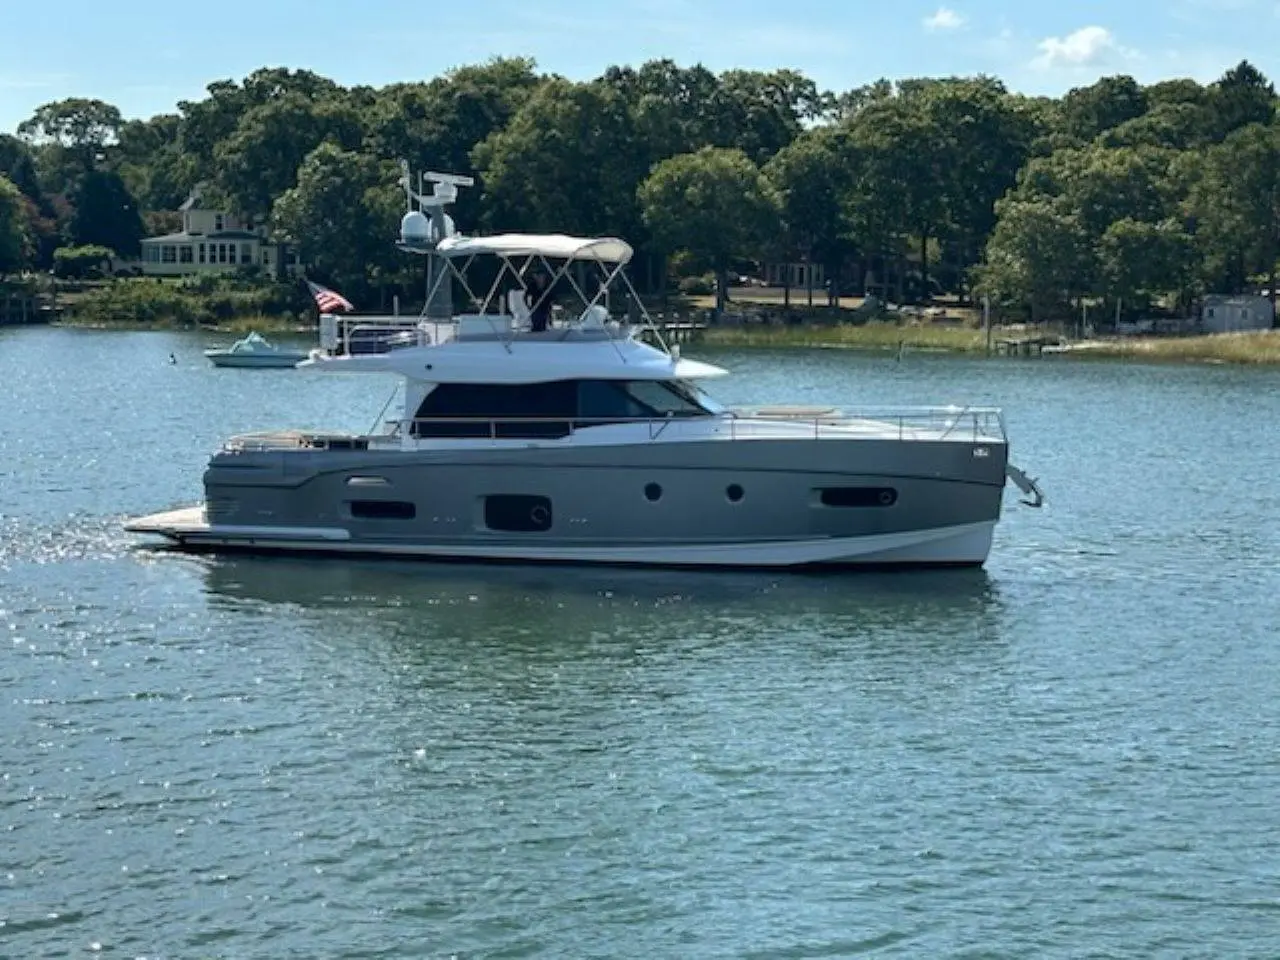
608	400
497	410
665	398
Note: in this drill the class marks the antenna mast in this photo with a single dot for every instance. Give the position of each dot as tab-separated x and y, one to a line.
421	235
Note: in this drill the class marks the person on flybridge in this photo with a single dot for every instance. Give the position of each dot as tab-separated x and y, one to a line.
537	298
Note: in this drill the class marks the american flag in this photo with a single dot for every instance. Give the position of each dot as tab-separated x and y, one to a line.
328	300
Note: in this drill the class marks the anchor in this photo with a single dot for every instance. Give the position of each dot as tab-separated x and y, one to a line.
1028	485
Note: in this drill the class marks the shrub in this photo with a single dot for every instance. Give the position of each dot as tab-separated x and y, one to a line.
140	301
188	301
698	286
81	263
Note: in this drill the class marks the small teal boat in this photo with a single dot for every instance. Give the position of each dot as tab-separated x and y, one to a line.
255	351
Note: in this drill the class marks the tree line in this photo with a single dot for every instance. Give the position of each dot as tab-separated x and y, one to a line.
1133	195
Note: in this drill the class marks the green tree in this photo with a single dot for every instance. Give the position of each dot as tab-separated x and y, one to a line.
673	108
901	179
1169	126
1242	96
1237	200
208	122
714	203
106	214
81	262
260	160
1037	257
148	156
1100	186
986	137
812	176
76	124
437	125
1142	261
13	231
567	162
1093	110
18	166
73	136
849	104
342	214
763	112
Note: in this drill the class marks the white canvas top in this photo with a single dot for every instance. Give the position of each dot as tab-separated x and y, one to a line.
554	245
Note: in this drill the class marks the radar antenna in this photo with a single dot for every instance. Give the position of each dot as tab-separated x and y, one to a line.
426	224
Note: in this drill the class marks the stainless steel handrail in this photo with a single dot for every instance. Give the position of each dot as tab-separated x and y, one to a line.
923	424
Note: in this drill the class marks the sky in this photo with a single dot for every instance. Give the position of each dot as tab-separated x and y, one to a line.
145	58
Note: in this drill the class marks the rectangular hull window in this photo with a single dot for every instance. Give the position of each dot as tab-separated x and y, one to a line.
383	510
858	496
517	514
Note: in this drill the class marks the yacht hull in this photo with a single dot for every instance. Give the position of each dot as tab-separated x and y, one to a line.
703	504
255	361
962	546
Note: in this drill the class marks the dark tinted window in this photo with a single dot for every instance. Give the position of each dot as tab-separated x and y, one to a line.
859	496
665	398
546	409
383	510
504	410
608	400
517	513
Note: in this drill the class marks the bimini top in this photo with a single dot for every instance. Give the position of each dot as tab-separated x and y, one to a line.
553	245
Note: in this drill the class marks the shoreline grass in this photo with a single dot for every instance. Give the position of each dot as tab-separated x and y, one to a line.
1254	348
868	336
1258	348
262	323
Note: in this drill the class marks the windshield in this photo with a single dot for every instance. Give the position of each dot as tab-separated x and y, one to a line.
671	398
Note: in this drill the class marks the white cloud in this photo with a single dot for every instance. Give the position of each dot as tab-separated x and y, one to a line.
1087	47
943	19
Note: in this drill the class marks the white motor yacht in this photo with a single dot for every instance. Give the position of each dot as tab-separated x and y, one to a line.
588	441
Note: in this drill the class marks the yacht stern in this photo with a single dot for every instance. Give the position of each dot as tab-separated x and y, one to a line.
175	525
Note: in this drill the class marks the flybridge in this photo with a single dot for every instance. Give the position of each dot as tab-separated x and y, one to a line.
533	268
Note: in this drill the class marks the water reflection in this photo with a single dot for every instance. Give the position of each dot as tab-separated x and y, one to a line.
571	611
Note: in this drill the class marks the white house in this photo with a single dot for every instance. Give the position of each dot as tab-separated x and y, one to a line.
1227	314
212	241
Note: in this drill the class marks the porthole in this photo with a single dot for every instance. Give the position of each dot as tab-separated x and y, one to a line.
734	492
652	492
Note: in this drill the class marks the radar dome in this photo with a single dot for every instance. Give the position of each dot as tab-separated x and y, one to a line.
415	227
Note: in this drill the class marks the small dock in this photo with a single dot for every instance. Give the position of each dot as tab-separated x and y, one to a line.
1024	346
681	332
16	309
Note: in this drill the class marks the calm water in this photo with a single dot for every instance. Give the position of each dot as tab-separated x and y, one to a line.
1073	753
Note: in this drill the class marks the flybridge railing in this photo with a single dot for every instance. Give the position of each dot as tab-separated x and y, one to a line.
977	425
374	333
349	334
